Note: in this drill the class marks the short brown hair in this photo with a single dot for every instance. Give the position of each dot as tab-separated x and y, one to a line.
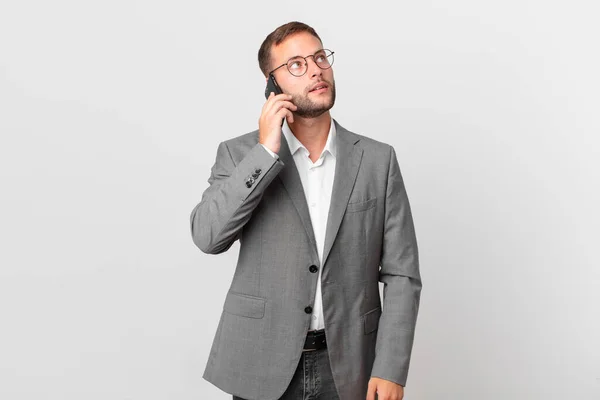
277	37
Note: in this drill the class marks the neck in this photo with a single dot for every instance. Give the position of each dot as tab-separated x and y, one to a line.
312	132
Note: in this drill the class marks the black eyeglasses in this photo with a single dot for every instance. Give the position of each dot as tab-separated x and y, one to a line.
298	65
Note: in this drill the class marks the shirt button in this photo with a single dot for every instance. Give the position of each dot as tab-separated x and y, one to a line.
308	310
313	204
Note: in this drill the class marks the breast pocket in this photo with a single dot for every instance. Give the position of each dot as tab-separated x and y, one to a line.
361	205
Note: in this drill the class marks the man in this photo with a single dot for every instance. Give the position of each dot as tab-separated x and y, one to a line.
317	210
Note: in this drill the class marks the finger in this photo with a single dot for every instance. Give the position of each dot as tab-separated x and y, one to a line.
290	105
279	97
264	107
287	104
269	99
283	113
283	96
284	104
371	392
277	110
274	104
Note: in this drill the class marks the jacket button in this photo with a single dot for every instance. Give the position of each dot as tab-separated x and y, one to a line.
255	175
257	170
313	268
308	310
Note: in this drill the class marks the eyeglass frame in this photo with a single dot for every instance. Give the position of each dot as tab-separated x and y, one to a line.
306	61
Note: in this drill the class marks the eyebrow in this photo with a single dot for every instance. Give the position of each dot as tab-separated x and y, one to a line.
306	56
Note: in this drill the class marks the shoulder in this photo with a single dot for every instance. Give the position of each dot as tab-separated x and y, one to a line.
370	146
246	139
238	146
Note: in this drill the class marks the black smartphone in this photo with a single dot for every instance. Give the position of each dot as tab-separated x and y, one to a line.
272	86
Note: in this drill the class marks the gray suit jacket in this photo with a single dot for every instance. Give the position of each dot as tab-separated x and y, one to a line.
260	200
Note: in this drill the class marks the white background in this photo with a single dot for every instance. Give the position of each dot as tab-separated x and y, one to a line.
110	116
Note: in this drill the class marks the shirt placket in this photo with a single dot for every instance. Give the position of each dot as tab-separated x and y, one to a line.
315	184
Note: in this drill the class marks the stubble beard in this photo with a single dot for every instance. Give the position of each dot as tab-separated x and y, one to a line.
307	108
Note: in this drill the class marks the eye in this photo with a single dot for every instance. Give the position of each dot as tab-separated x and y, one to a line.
296	63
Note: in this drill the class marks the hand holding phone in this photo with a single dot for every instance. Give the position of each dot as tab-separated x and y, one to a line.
272	86
277	107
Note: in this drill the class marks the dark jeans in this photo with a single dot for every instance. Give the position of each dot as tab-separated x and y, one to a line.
312	380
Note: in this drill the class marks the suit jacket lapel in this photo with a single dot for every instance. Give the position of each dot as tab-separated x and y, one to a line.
290	178
348	158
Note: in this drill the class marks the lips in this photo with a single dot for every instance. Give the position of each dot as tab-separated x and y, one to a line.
321	85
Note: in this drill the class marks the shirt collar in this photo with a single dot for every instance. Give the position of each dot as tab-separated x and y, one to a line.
294	144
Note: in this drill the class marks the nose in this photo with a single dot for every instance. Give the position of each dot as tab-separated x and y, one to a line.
313	68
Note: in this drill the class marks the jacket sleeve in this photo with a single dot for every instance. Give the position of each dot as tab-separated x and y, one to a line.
400	275
234	192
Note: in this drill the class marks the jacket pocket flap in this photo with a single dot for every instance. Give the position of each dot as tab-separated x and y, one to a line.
372	320
361	205
244	305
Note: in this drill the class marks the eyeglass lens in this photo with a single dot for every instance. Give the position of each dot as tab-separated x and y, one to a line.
298	65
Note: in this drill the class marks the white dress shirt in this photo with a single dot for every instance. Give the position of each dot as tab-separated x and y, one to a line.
317	182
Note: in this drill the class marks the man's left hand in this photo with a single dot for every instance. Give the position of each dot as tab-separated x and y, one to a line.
386	390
